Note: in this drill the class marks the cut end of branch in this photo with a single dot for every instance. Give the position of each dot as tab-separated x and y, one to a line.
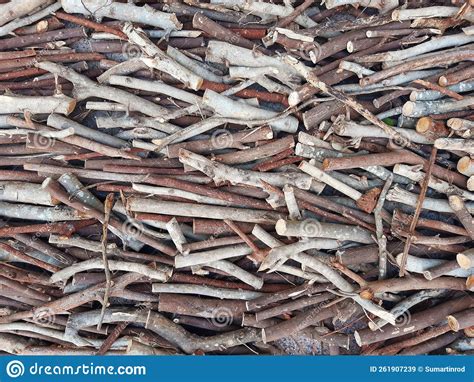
326	164
46	183
443	81
367	294
470	283
408	108
294	99
455	123
280	227
464	261
453	323
469	332
428	275
464	164
456	202
368	201
424	124
358	340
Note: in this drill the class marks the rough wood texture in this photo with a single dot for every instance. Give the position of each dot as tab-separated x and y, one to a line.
232	176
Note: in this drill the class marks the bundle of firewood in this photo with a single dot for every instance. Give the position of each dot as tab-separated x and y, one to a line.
236	177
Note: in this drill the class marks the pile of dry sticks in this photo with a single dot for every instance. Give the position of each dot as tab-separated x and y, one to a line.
236	177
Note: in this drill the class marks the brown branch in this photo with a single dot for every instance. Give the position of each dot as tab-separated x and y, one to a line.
421	197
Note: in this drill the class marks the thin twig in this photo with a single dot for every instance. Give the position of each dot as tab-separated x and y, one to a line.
381	238
108	205
419	204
